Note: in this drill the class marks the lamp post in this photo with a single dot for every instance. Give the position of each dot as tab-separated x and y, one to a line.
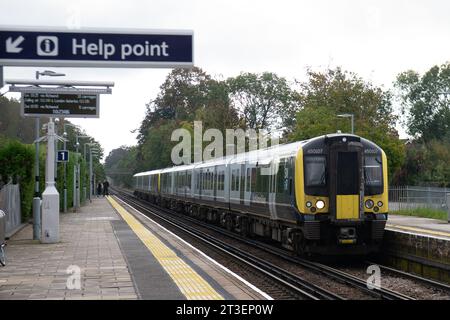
65	164
349	115
90	167
77	173
37	199
93	152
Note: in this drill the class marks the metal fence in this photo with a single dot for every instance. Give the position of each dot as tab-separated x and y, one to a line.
10	204
412	197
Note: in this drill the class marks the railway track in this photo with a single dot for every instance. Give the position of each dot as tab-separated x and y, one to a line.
297	285
426	281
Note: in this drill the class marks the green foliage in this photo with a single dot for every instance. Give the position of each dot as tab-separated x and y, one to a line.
426	101
156	150
120	165
17	160
16	163
185	96
13	125
263	99
424	213
333	92
426	164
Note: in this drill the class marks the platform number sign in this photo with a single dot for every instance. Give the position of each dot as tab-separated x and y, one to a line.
63	155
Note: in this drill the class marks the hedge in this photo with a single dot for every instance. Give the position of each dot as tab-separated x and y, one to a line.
17	164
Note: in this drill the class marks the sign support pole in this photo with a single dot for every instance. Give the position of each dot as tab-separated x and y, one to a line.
36	199
50	196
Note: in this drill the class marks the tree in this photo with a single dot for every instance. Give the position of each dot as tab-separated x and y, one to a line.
426	164
16	165
327	94
155	152
426	100
185	96
13	125
120	165
181	94
264	101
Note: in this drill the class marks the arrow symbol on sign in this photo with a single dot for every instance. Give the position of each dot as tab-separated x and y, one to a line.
12	46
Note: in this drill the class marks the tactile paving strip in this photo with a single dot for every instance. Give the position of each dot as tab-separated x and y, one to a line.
190	283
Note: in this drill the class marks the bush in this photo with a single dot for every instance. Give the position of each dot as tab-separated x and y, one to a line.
16	163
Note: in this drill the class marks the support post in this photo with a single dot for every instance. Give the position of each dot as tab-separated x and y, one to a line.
90	175
78	186
1	77
65	171
448	207
50	196
74	197
36	218
36	203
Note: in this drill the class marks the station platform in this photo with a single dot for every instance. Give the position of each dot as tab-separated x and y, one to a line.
422	226
107	252
418	245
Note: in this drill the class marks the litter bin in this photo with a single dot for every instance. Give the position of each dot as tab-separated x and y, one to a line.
2	226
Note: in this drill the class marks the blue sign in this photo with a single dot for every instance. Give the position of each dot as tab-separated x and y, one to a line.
63	155
95	48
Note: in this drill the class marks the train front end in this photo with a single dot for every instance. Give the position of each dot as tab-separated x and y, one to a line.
341	195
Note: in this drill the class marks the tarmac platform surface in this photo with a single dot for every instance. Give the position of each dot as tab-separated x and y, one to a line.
421	226
107	251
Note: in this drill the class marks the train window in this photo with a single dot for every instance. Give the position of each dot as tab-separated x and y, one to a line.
373	175
253	179
233	178
347	173
315	171
247	186
209	180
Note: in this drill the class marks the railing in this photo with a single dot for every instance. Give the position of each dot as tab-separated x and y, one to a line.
412	197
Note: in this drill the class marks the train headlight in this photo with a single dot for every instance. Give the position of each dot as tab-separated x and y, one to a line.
369	204
320	204
308	204
380	204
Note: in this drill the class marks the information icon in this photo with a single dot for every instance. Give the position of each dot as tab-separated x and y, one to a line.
47	46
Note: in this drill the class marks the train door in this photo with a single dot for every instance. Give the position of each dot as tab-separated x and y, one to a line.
346	181
248	183
227	184
273	169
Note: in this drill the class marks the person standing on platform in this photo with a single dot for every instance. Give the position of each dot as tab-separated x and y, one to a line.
99	189
105	188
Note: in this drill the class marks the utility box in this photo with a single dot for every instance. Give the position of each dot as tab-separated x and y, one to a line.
50	215
2	226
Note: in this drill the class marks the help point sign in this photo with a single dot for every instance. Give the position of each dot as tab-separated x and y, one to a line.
96	47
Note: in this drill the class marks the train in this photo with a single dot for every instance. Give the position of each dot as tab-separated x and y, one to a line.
323	196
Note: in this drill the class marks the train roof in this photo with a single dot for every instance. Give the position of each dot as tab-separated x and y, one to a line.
147	173
261	156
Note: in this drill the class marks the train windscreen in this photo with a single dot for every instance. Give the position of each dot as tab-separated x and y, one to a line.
373	175
347	173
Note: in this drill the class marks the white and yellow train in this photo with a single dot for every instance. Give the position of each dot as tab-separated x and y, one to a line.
325	195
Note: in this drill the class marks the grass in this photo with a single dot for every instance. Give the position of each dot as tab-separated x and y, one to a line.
424	213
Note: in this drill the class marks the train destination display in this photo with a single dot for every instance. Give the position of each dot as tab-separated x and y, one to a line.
60	105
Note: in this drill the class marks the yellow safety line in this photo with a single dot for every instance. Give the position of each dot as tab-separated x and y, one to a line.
190	283
420	230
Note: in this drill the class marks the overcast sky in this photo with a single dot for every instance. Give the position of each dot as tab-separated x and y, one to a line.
376	39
